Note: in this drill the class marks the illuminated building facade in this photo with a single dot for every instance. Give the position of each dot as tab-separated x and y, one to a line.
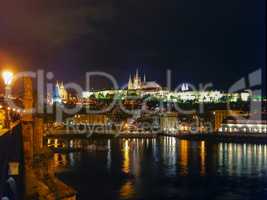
91	119
61	94
168	122
136	83
220	115
245	125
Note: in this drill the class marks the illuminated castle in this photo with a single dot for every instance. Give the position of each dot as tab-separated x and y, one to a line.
136	83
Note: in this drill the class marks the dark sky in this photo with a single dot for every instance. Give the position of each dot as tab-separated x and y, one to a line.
200	41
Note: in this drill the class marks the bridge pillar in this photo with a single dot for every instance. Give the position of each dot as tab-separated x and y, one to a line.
27	122
38	135
40	183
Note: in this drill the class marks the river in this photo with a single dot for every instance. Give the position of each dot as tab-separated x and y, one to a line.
165	168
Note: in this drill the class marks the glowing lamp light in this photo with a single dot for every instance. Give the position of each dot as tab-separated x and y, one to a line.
8	77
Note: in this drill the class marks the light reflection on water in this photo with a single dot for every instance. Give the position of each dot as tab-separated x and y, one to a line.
202	158
242	159
146	161
126	159
60	160
127	190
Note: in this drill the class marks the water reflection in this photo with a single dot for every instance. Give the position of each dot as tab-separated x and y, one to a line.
180	156
127	190
168	156
59	161
72	159
144	163
203	158
132	151
242	159
184	157
62	161
109	160
126	159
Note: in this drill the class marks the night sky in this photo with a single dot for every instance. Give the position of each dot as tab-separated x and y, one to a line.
200	41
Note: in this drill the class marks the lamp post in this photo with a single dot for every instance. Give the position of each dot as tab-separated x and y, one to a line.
7	77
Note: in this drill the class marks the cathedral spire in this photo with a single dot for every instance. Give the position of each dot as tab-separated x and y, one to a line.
137	74
130	83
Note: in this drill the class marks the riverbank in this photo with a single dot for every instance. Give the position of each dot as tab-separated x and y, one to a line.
99	135
222	137
216	136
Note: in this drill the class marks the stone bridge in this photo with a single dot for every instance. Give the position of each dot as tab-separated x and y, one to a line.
25	167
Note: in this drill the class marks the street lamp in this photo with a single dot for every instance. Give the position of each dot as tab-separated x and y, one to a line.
8	77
